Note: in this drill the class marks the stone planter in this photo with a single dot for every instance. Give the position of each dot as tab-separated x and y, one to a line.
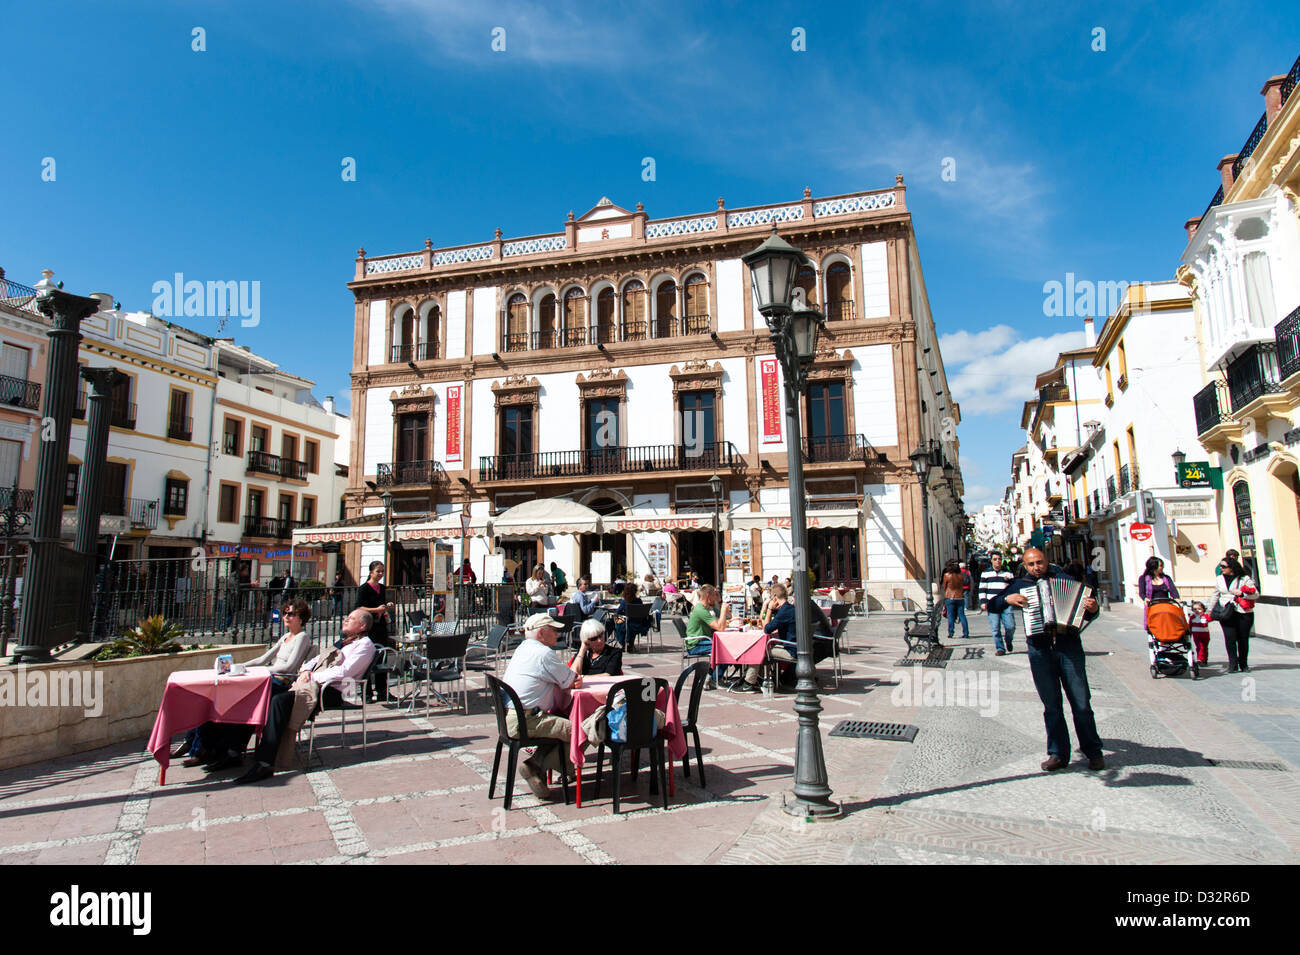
56	709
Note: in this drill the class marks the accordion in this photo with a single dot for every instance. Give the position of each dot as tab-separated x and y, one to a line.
1055	607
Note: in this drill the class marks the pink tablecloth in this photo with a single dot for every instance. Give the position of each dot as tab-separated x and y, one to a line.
746	647
192	697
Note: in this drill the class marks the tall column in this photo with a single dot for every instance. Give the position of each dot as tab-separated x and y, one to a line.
90	503
48	560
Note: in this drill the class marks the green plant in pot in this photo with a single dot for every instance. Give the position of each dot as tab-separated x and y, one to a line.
152	635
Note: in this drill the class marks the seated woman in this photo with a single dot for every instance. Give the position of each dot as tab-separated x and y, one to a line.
218	744
628	630
596	656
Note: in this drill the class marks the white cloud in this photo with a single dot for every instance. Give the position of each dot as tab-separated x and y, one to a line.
994	370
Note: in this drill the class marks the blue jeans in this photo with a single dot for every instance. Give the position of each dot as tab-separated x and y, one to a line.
1054	668
1000	623
956	609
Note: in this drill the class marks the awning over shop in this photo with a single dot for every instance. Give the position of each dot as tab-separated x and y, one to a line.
763	520
615	524
446	527
366	529
552	515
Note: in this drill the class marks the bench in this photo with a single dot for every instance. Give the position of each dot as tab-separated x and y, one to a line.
922	629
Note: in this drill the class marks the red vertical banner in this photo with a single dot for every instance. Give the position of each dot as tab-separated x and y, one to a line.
771	400
453	424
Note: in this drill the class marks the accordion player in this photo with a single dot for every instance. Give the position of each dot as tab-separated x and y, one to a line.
1054	607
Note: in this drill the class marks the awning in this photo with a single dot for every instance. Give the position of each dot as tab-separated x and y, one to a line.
763	520
676	522
366	529
446	527
552	515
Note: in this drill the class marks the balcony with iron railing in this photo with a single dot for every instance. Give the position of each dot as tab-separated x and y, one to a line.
629	461
1252	375
837	447
1286	336
1110	489
419	351
142	512
1207	408
607	334
1125	484
839	311
122	415
19	498
275	528
182	429
18	297
20	392
408	473
263	462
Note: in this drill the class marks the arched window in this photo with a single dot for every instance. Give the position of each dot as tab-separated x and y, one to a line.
403	335
546	323
697	305
634	320
839	293
605	315
428	348
666	310
575	318
517	324
806	279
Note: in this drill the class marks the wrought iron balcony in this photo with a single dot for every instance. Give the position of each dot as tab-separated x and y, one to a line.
697	324
1124	482
516	341
575	337
1252	142
1287	338
837	447
635	331
1253	375
1110	489
419	351
400	473
20	392
19	498
123	415
20	298
625	461
182	429
1136	482
263	462
1206	407
839	311
143	513
277	528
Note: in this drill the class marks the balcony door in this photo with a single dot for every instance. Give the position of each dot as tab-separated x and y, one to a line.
121	400
14	360
827	421
114	497
412	445
699	430
601	433
605	316
546	323
516	441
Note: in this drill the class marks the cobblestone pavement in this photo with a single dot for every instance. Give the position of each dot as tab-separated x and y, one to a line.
968	789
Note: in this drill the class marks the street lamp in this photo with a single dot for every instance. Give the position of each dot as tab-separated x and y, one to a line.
715	485
923	462
387	498
1179	457
772	268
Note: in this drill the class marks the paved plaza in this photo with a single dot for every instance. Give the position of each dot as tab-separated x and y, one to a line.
1203	772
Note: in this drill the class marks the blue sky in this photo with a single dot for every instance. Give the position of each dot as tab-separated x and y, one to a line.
225	164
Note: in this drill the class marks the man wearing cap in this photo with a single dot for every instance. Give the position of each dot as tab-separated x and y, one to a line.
540	680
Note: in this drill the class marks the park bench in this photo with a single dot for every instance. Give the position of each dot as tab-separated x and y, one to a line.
921	630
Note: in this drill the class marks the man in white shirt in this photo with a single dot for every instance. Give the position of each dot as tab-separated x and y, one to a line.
536	674
329	679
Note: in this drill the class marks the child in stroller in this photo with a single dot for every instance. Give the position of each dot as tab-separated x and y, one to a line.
1168	640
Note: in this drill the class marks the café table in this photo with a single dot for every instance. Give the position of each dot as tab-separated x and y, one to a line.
194	697
740	647
590	696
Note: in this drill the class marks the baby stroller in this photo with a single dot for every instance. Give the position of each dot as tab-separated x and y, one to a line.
1169	641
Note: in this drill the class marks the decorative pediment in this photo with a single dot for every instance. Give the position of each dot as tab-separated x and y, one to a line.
413	397
603	383
697	375
604	209
828	363
517	390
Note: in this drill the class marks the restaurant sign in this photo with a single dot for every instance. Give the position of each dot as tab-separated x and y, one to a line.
613	526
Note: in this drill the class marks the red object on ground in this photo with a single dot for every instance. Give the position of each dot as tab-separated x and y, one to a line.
192	697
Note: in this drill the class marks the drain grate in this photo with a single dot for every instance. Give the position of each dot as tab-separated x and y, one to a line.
935	658
866	729
1249	764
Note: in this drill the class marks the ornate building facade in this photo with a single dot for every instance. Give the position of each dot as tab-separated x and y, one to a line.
620	364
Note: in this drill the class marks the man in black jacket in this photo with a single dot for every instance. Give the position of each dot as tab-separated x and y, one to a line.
1056	661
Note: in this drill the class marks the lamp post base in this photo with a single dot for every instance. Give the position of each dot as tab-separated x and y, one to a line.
810	810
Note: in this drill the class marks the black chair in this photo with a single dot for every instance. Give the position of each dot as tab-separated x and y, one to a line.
639	732
503	698
492	646
701	672
445	663
414	618
637	615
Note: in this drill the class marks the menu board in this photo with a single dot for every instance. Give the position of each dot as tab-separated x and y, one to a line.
601	565
494	568
658	556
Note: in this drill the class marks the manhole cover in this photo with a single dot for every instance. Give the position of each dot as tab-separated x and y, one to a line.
865	729
1249	764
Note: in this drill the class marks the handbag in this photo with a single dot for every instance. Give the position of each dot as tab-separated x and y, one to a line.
1222	611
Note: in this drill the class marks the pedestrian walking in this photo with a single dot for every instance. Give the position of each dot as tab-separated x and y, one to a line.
994	581
1199	621
954	597
1056	662
1234	608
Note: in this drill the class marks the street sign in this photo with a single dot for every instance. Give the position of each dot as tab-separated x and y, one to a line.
1194	474
1140	532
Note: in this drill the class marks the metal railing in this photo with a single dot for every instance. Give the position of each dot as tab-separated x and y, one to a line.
1287	338
143	512
182	429
1289	84
1110	489
278	528
19	297
263	462
1253	374
1216	199
836	447
697	324
839	311
1252	142
420	351
1207	409
20	392
20	498
516	341
399	473
635	331
1124	485
583	463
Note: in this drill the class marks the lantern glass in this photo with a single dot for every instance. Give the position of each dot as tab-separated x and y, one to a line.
772	268
920	459
715	484
804	326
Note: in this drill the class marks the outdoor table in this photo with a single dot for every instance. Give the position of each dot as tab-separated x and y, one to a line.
743	647
194	697
591	695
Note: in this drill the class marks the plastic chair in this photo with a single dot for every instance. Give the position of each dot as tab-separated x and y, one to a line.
364	688
503	699
692	711
702	649
639	732
493	645
445	663
639	615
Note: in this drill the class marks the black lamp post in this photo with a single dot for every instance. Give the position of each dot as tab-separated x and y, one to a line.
772	268
1179	457
924	459
715	485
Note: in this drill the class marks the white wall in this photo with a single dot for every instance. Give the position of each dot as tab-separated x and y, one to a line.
485	320
731	289
875	409
884	538
378	435
875	280
375	354
651	415
735	410
559	427
456	323
484	421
